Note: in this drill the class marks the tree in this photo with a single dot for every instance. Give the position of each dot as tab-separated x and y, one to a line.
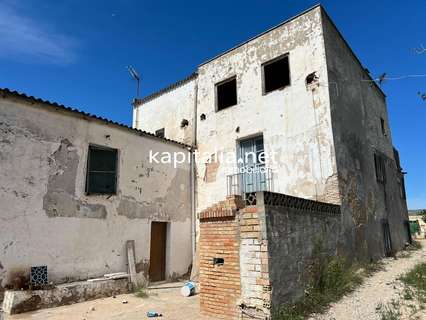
423	214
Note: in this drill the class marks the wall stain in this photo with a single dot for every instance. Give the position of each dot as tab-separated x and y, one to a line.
60	200
168	207
143	266
61	204
7	246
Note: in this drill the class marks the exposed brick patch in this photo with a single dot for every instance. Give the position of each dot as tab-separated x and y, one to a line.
223	209
219	238
211	171
217	213
212	166
331	192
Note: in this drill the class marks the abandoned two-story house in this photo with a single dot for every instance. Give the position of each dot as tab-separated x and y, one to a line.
288	145
297	96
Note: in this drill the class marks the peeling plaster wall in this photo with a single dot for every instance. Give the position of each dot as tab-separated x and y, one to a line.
356	108
295	121
167	111
323	135
45	216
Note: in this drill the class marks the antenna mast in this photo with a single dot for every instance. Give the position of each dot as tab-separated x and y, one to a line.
135	76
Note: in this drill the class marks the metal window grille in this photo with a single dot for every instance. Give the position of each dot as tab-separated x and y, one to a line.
101	171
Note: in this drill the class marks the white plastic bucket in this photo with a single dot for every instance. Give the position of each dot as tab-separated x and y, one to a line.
188	289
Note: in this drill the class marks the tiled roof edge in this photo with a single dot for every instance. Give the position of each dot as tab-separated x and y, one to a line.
165	90
5	91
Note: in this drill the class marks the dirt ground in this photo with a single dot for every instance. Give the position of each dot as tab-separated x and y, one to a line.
361	304
382	287
168	302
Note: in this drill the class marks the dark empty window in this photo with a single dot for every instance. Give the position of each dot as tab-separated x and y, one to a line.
276	74
402	188
379	163
101	171
226	94
383	126
160	133
397	159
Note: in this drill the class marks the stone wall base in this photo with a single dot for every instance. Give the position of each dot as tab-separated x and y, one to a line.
29	300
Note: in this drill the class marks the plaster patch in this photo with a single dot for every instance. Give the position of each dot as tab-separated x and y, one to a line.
61	204
169	207
59	200
64	168
143	266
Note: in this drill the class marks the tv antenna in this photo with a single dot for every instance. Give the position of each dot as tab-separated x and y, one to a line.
135	76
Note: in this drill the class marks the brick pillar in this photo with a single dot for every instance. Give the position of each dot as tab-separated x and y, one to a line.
219	239
254	261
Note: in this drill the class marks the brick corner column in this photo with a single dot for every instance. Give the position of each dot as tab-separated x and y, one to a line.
254	260
220	286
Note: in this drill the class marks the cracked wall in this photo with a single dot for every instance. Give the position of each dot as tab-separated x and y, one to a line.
357	107
46	217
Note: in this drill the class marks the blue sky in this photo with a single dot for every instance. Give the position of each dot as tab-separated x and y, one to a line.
75	52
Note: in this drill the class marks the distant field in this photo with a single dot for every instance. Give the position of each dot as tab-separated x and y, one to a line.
415	212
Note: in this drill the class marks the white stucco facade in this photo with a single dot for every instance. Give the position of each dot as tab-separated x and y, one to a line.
294	121
48	219
167	111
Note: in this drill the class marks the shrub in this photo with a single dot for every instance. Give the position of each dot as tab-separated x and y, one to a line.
141	292
416	278
331	278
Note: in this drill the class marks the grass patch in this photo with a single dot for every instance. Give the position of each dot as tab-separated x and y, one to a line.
408	293
141	292
331	278
412	298
389	311
410	249
373	267
416	279
414	246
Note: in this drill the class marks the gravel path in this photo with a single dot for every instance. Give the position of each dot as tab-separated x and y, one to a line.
382	287
362	304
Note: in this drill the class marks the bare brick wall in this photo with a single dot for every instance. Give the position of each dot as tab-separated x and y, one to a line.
236	233
254	260
293	227
219	238
266	246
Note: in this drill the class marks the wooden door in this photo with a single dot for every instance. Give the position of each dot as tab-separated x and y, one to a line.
157	262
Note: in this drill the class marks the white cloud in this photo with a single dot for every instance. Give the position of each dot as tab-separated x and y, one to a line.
24	38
